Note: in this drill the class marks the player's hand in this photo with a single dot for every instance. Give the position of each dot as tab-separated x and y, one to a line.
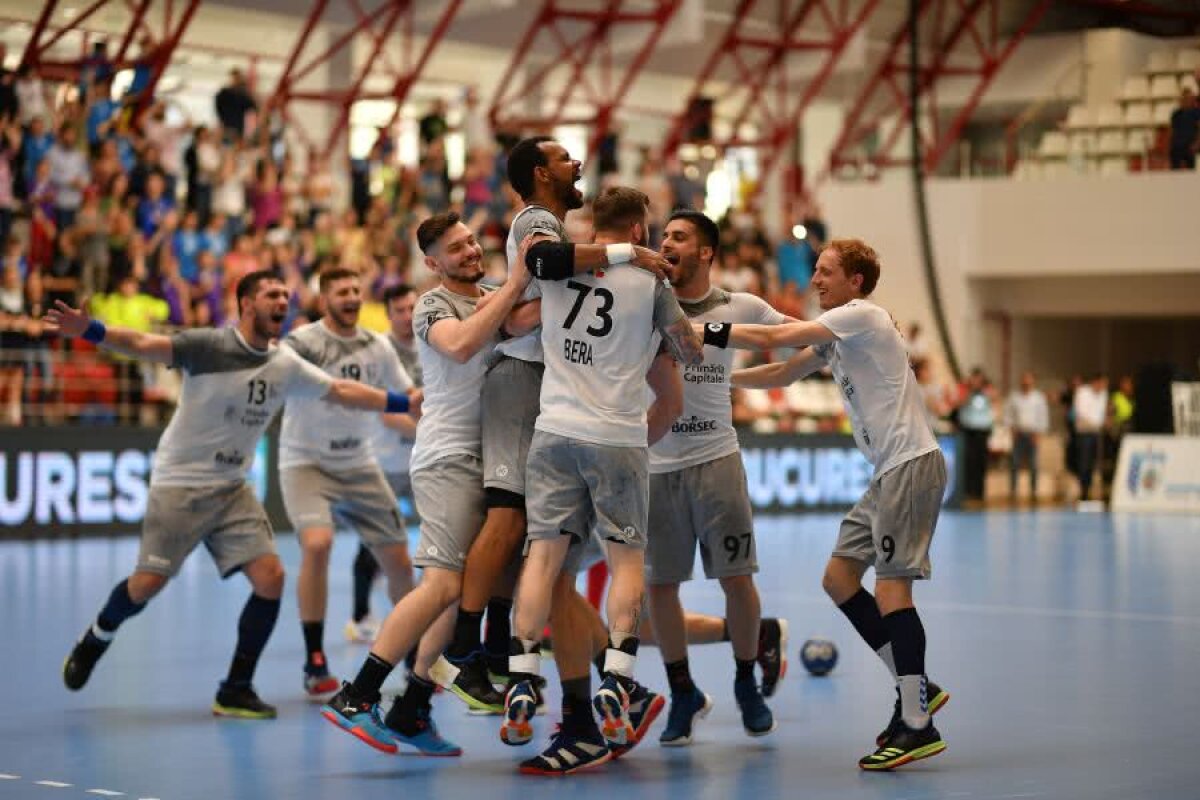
650	260
415	398
518	273
66	321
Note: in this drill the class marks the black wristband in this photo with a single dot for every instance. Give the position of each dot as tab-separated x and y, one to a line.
717	333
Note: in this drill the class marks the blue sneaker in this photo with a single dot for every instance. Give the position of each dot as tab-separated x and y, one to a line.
757	719
426	739
359	717
644	708
520	706
611	702
567	753
686	708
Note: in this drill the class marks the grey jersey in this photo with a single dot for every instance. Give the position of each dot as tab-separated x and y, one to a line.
322	434
600	333
392	449
530	221
704	432
451	409
230	393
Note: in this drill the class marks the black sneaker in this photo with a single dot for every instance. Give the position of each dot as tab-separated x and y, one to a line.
569	752
473	686
905	746
78	666
936	698
772	652
241	701
359	716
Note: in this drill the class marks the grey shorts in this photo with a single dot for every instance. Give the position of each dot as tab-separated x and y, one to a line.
512	394
583	553
361	499
569	479
891	527
449	498
228	519
707	504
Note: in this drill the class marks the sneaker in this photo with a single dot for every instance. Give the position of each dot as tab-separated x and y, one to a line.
904	746
426	739
365	631
469	682
497	664
80	662
937	697
686	708
359	716
611	702
319	684
568	753
644	708
757	719
772	653
520	706
242	702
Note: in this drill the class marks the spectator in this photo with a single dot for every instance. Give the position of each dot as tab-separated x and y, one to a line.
167	140
1091	412
214	239
477	131
10	147
233	104
102	113
155	206
318	188
42	226
131	308
186	245
95	68
1122	407
229	196
975	420
69	175
267	197
1028	416
1185	132
31	96
34	147
92	233
150	163
433	125
202	164
14	319
9	105
139	96
934	395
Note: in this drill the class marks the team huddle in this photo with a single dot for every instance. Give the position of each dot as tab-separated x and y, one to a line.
538	426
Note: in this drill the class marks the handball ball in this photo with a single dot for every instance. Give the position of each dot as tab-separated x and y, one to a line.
819	656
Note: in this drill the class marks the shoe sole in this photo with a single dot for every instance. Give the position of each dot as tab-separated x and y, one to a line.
760	734
228	712
515	732
554	773
615	726
921	753
474	705
323	693
639	733
783	659
455	753
358	733
937	704
684	741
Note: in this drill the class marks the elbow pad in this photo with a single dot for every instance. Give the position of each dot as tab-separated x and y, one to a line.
551	261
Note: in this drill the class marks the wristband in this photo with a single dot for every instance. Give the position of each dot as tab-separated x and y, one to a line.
717	333
618	254
94	332
397	403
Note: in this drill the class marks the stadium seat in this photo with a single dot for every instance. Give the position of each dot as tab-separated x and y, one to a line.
1139	115
1189	82
1187	60
1110	115
1079	116
1082	143
1163	87
1053	145
1114	166
1137	87
1138	142
1163	110
1111	143
1161	61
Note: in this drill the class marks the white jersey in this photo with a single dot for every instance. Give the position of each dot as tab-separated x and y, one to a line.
600	333
704	432
392	448
450	412
870	365
529	221
230	393
318	433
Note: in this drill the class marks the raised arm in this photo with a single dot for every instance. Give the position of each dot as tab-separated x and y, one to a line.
780	373
765	337
360	396
552	260
461	339
74	322
667	385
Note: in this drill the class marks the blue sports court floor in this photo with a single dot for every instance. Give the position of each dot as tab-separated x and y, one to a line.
1070	644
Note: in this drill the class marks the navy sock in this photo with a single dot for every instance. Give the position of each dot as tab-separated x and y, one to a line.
466	636
863	613
254	629
908	641
745	669
120	607
679	677
314	638
365	570
499	625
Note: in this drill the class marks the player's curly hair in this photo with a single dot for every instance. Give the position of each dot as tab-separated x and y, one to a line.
857	258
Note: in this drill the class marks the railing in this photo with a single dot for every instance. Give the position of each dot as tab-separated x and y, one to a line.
1034	110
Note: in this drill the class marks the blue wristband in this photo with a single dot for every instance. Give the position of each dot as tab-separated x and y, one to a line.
397	403
95	332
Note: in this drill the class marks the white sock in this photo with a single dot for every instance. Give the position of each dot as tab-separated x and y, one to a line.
885	654
619	662
914	709
101	634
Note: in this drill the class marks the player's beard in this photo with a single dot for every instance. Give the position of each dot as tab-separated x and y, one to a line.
685	271
265	327
570	196
345	318
469	271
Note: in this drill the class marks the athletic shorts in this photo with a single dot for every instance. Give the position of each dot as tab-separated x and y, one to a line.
567	476
511	398
707	504
360	499
449	498
891	527
227	518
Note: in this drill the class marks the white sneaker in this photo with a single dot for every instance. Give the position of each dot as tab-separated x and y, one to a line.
364	631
